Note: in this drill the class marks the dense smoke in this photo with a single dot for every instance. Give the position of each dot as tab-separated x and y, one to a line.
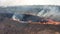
52	12
48	11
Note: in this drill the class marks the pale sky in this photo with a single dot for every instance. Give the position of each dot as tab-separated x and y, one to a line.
28	2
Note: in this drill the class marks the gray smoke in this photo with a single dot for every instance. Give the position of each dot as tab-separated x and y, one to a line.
46	11
50	12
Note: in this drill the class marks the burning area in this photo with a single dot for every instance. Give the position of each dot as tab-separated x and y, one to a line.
27	18
36	14
32	19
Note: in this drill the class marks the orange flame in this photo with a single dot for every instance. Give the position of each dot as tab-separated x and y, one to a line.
53	22
49	22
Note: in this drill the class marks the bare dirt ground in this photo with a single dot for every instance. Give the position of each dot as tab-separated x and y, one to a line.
13	27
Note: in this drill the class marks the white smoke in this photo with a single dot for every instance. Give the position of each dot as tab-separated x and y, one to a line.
50	12
14	17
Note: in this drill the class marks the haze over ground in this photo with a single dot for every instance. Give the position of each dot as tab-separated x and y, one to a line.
50	11
28	2
47	11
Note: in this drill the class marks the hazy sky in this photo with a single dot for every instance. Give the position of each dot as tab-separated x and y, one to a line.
28	2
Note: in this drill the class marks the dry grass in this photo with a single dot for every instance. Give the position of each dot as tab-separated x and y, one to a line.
13	27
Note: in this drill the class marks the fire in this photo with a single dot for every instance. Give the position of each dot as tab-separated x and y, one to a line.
49	22
53	22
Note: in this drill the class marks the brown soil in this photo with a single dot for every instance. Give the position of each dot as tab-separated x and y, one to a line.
8	26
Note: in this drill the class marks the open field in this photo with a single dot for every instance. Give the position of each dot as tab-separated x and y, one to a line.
13	27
